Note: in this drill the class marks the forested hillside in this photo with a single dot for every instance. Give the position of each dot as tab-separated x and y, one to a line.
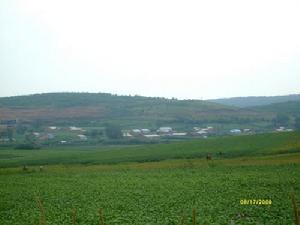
255	101
128	111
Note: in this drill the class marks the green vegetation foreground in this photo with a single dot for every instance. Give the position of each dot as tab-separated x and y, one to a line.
157	193
176	180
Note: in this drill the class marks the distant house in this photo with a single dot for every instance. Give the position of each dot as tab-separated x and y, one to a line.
165	130
76	129
151	135
145	131
206	128
82	137
235	131
136	131
280	129
37	134
52	128
180	134
283	129
201	132
127	134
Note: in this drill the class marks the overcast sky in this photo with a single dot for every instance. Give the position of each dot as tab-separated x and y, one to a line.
184	49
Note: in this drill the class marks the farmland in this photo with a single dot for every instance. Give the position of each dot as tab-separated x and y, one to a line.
155	192
154	184
226	147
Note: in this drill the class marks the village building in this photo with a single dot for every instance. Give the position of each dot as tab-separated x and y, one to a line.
145	131
235	131
37	134
127	134
136	132
283	129
82	137
165	130
73	128
201	132
151	136
180	134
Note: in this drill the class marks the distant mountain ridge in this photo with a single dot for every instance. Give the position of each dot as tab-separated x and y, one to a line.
98	109
244	102
103	107
74	99
291	108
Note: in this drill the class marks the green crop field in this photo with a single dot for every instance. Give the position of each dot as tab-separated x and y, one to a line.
153	184
263	144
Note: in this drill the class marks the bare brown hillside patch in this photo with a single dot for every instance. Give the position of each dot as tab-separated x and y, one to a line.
51	113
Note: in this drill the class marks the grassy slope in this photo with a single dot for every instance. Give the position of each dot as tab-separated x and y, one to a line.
263	144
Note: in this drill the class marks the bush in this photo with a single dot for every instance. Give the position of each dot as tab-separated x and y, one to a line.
113	131
26	146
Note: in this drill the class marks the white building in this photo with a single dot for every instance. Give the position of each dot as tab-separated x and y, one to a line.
127	134
37	134
151	135
145	131
165	130
180	134
82	137
201	132
76	129
235	131
283	129
136	131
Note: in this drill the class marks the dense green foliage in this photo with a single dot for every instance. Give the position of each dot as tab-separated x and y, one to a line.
287	108
113	131
262	144
281	120
297	123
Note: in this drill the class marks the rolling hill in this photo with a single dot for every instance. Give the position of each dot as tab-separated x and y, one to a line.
255	101
291	108
128	111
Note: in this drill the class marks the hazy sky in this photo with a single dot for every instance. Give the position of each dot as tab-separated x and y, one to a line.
184	49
